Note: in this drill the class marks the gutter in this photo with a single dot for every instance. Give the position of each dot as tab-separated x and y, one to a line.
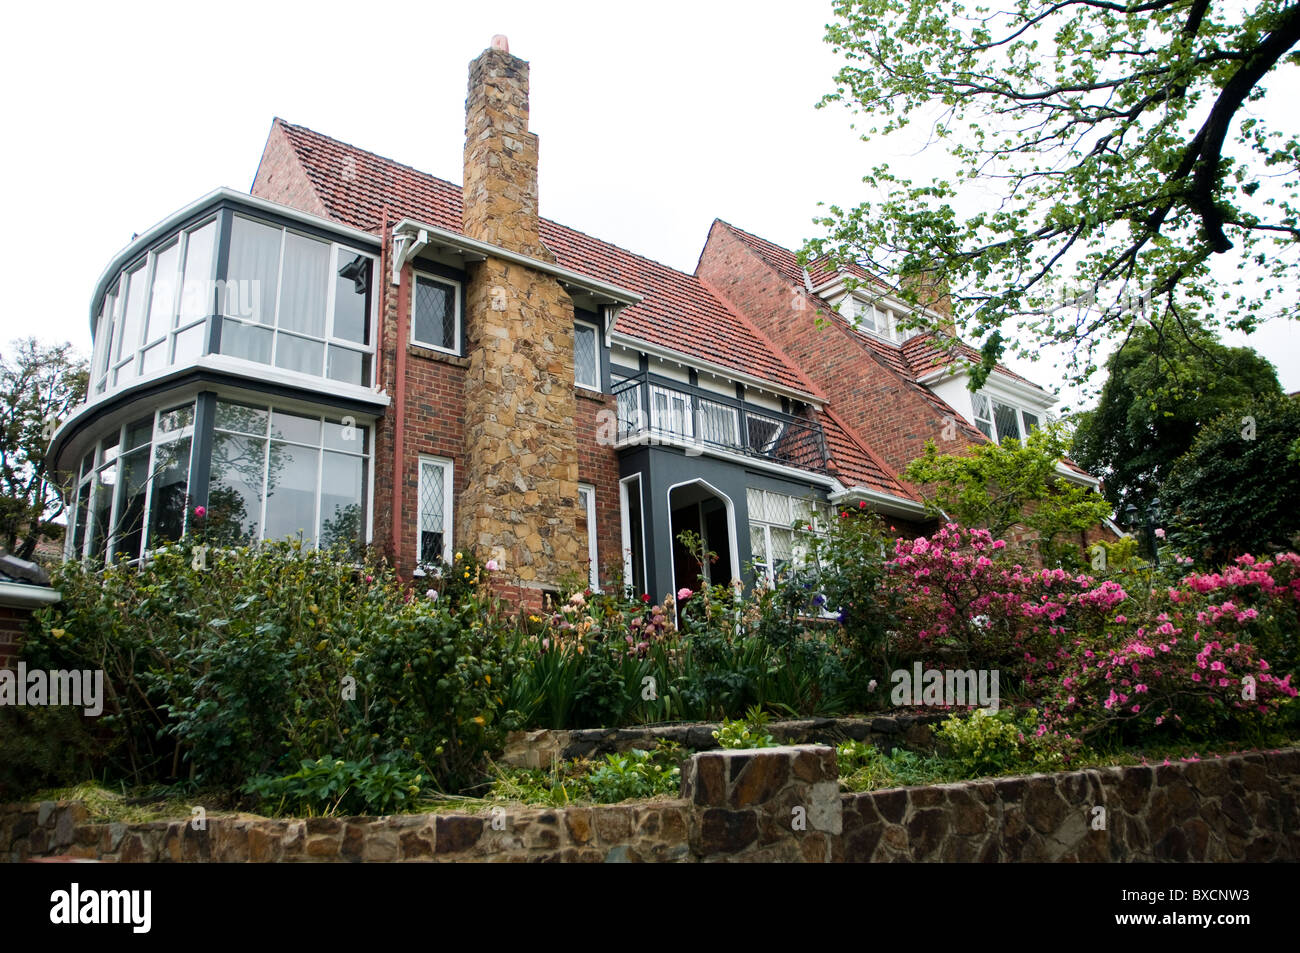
885	501
721	370
410	236
21	595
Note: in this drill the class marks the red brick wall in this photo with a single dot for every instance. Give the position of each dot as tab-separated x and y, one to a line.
598	466
13	625
433	415
888	412
280	176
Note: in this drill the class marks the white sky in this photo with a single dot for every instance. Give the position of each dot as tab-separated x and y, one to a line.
653	118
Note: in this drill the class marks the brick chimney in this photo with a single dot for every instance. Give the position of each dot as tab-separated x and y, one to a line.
520	504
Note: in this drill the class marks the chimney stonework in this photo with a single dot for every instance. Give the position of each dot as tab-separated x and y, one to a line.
520	503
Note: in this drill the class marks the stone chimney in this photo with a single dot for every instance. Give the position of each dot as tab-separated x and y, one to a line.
520	503
500	191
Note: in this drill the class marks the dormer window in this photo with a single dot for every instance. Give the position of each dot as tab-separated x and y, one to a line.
998	419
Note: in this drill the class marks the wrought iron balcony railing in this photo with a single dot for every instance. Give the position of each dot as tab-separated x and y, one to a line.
653	409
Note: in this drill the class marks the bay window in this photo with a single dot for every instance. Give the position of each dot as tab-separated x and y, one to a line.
298	303
278	474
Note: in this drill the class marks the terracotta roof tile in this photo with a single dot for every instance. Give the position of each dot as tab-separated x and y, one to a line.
678	312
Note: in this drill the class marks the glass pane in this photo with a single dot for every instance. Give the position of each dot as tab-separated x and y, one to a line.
248	341
585	357
139	433
190	343
136	298
636	536
130	505
1031	423
291	492
435	318
352	298
778	509
252	274
103	334
432	497
295	428
1007	420
241	418
354	438
348	366
985	427
342	517
306	285
758	544
82	519
162	299
235	489
299	354
104	483
155	358
171	483
177	418
980	402
782	544
757	511
196	289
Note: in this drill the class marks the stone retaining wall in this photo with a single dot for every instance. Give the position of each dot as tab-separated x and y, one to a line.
773	804
537	749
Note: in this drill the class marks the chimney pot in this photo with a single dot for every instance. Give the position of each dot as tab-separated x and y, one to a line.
499	42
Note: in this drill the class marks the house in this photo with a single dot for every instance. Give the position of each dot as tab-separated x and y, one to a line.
359	352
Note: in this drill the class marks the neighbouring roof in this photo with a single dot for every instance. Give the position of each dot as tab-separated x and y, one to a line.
678	311
914	358
13	569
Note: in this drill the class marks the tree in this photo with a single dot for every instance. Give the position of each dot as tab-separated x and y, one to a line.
999	487
1154	402
38	387
1238	490
1121	140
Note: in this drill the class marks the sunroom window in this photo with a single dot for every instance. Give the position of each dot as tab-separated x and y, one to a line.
298	303
278	474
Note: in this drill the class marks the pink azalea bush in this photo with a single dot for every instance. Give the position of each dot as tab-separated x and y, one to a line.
1216	652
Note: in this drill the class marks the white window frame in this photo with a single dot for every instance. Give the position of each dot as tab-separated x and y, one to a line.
593	571
595	333
327	340
430	276
817	517
448	494
624	499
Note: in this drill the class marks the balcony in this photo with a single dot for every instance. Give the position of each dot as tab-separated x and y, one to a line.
651	409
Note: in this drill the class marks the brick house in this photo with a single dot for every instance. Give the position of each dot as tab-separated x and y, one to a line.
358	352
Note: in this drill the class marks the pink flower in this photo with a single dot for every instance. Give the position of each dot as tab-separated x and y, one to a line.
200	512
491	565
999	544
684	594
1160	533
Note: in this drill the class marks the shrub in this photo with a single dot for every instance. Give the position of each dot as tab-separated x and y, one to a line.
749	732
327	786
274	655
984	743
